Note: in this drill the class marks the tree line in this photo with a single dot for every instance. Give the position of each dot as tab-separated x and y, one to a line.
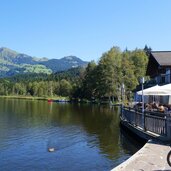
113	69
97	80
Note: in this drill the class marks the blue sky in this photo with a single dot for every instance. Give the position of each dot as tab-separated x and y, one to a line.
84	28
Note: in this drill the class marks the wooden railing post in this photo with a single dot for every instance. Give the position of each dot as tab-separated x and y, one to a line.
144	121
168	127
135	118
121	113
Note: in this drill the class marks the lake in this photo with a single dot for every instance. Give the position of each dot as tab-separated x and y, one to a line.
85	137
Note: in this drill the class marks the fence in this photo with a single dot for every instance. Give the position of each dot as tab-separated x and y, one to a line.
149	121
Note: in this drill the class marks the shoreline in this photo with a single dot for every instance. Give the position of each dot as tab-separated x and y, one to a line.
32	98
60	98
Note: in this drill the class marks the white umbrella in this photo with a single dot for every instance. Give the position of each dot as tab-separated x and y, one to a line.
167	88
156	91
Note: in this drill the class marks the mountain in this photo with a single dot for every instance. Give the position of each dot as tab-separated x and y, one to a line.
64	63
12	63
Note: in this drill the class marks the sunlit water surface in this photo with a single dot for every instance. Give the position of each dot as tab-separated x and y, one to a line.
85	137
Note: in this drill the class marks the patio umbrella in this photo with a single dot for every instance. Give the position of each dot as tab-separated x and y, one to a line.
167	88
156	91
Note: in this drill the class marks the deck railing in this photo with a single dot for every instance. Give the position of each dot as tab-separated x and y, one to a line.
149	121
156	124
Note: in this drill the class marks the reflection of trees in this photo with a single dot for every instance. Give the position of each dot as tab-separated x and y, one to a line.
100	122
130	143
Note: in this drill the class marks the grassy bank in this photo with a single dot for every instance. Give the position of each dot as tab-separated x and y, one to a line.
35	98
61	98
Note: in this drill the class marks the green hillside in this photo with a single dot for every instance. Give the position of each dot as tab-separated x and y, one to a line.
12	63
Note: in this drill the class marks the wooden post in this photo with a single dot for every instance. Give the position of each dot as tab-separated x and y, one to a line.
144	121
122	96
168	127
143	117
121	110
135	117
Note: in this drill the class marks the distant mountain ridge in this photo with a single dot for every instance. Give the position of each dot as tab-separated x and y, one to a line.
12	63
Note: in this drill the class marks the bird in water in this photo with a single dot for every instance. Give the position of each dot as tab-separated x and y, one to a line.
51	149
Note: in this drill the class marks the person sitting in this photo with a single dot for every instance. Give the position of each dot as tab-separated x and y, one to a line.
137	106
148	107
161	108
166	108
155	106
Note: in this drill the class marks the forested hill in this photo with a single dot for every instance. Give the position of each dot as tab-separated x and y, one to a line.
70	75
97	80
62	83
12	63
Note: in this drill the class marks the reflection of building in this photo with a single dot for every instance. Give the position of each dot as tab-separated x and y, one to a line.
159	67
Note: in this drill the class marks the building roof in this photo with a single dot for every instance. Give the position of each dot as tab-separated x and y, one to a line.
162	57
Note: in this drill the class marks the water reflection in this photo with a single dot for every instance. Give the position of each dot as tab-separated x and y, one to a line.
89	130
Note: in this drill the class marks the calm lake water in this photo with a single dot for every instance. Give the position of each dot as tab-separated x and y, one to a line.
85	137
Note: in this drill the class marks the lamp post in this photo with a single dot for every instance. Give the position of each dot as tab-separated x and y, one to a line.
143	117
122	97
122	91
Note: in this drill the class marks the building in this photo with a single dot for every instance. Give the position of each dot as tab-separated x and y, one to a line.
159	67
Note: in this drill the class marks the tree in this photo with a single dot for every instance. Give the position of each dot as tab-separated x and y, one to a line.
147	50
2	89
65	88
20	89
40	92
50	88
128	75
35	88
140	60
89	81
56	88
108	73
